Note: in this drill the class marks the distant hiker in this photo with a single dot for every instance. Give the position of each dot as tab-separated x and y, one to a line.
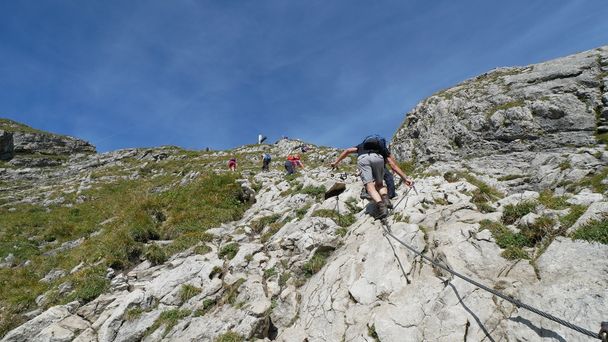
305	148
261	138
292	163
372	155
206	149
266	158
232	164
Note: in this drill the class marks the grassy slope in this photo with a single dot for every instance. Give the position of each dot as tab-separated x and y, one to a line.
182	214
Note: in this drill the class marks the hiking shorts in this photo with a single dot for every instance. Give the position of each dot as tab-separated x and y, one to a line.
371	166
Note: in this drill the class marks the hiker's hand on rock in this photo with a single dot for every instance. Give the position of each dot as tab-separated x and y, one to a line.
333	165
408	182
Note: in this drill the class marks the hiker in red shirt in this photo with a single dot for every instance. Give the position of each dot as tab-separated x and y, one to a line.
232	164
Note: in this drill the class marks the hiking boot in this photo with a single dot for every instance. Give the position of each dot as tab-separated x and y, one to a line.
381	211
387	202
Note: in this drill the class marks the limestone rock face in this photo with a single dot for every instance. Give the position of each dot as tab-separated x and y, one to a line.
515	121
26	140
49	144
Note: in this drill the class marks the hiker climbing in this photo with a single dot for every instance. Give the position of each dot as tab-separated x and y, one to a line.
266	158
372	154
232	164
292	163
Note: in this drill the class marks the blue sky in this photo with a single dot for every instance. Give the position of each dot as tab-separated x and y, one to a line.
216	73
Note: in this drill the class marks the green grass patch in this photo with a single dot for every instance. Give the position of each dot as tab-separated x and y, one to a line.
549	200
269	273
565	165
258	225
596	230
576	211
156	255
139	215
208	305
202	249
300	212
343	220
512	243
188	291
594	181
229	251
89	283
513	212
505	106
273	228
314	191
168	319
231	292
316	263
602	138
229	336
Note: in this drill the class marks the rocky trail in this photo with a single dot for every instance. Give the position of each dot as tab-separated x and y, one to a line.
522	213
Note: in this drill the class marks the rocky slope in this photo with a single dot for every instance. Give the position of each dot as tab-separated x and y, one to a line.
287	264
517	123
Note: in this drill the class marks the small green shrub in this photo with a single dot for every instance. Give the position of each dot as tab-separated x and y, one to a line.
451	177
341	231
188	291
596	230
513	212
208	304
229	251
537	231
155	254
229	336
269	273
